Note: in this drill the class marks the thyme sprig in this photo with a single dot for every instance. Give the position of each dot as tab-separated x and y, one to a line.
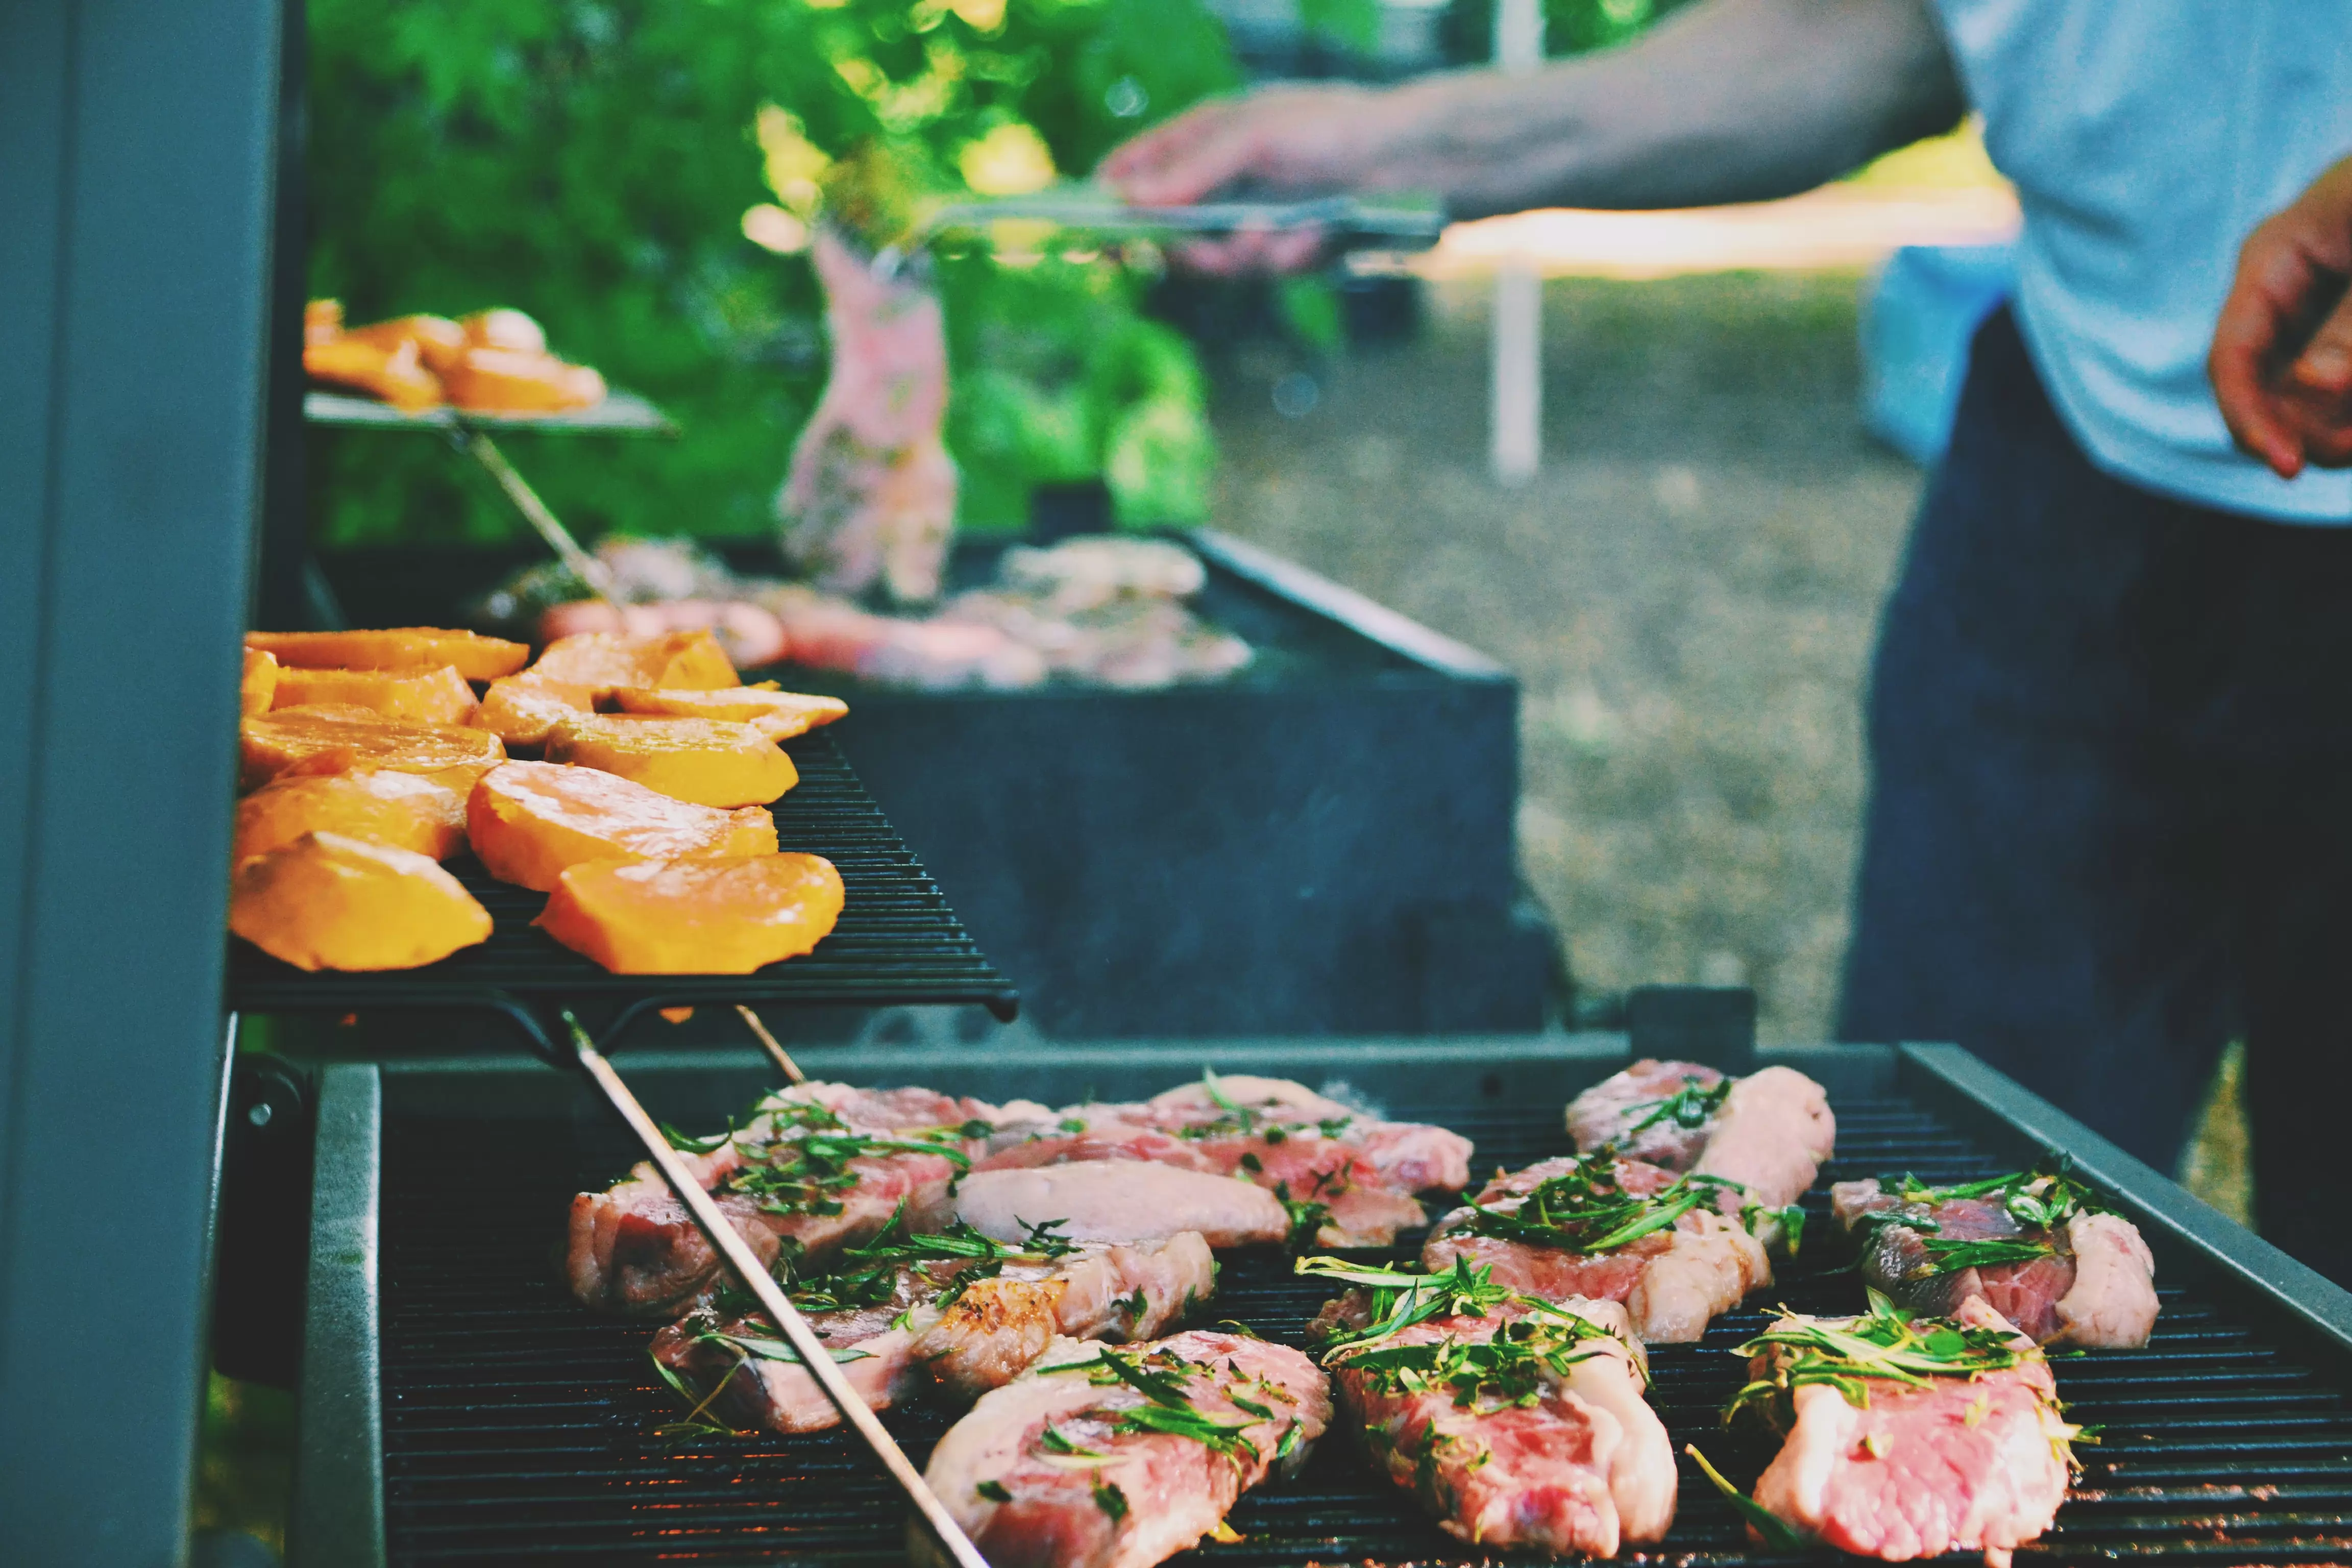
1886	1345
1583	1209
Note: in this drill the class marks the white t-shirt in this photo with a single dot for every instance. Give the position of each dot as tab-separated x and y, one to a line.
2147	139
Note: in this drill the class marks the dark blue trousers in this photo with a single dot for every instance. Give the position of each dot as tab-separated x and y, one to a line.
2110	825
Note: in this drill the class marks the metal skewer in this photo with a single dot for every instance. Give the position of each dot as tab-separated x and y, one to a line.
783	1058
747	1268
478	445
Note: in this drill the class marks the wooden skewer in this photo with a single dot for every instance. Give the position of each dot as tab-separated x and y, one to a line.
782	1058
746	1266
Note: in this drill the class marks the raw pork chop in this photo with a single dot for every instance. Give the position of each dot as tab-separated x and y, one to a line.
2032	1245
1107	1458
1967	1452
1119	1200
1769	1131
956	1311
1520	1424
1547	1231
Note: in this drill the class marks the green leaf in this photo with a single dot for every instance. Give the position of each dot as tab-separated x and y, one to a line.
1778	1533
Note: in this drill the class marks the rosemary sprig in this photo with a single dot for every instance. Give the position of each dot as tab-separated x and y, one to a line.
1583	1209
1401	1298
797	1172
2042	1199
1691	1107
1885	1345
1778	1532
1508	1370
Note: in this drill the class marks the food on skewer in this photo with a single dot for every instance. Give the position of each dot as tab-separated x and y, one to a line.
492	362
1614	1229
258	686
394	375
1348	1178
716	915
330	738
1769	1131
326	901
510	381
531	821
406	811
1516	1421
520	709
707	760
821	1166
956	1311
606	661
1908	1436
477	657
778	715
1120	1200
2034	1246
423	696
1101	1458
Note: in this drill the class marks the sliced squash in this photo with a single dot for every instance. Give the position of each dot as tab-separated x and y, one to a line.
705	761
477	657
332	738
326	901
423	696
604	661
408	811
519	710
528	821
259	688
778	715
727	915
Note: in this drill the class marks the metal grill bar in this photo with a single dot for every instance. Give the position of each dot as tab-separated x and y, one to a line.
516	1426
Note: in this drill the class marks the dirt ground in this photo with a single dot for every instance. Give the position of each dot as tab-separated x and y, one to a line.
1687	590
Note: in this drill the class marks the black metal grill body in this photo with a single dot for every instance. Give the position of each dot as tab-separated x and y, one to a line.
897	941
517	1426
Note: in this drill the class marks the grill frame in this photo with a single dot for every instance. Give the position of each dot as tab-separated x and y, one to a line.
898	942
339	1488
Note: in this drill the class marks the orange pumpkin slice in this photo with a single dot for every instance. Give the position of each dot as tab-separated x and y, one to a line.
408	811
519	710
332	738
528	821
723	916
326	901
602	661
705	761
423	696
477	657
258	687
778	715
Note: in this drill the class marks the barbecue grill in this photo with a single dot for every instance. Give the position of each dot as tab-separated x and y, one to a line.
461	1408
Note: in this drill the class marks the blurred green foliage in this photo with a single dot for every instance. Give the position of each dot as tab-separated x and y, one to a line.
591	161
1570	26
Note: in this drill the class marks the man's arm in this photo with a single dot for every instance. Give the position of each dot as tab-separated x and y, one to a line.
1727	100
2282	359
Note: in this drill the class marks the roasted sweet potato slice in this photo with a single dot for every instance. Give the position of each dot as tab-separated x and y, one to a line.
519	710
778	715
530	820
602	661
419	696
334	739
408	811
477	657
259	688
705	761
326	901
723	916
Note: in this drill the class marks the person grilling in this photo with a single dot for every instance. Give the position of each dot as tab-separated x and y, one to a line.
2110	712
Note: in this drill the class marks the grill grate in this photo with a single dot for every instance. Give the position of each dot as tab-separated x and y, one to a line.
517	1426
897	941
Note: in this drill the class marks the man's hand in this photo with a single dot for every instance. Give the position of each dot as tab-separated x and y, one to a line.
2282	360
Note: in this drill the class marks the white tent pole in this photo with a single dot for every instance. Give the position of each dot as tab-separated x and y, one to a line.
1516	415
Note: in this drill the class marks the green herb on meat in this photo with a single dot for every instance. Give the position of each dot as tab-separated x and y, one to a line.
1510	1369
1778	1533
1885	1345
1400	1297
994	1491
1583	1209
1110	1500
1691	1107
2039	1201
806	1160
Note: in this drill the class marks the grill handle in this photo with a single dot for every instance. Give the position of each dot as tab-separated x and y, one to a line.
746	1266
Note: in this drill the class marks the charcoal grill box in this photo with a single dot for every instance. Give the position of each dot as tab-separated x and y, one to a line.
1322	844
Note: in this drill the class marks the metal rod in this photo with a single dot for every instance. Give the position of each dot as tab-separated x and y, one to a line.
585	566
782	1058
746	1266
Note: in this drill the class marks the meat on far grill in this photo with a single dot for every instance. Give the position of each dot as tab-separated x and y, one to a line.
1361	1174
963	1324
2026	1245
1547	1445
819	1167
1961	1463
1671	1280
1119	1200
1769	1131
1077	1464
